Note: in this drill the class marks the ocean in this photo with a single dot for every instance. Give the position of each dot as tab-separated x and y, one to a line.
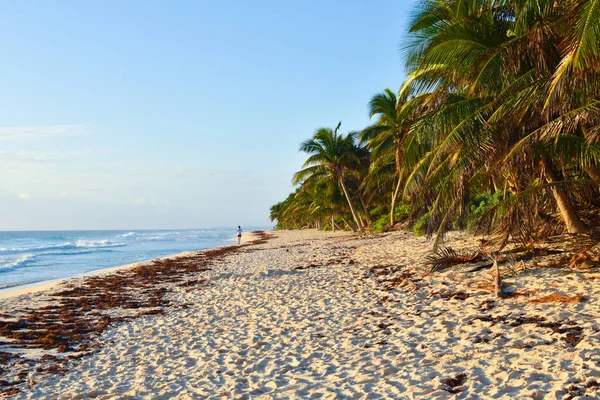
29	257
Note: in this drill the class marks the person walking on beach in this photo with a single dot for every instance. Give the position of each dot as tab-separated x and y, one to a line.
239	234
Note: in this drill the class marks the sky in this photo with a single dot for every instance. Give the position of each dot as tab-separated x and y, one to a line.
178	114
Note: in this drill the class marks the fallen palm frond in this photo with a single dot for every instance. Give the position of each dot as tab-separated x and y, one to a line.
584	260
587	257
447	257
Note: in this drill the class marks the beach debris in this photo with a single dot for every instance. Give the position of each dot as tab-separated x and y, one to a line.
450	295
498	281
403	280
408	285
453	383
584	260
10	391
558	298
572	334
5	357
487	305
308	266
592	383
574	391
382	269
447	257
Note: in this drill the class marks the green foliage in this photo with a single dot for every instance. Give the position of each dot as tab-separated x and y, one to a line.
380	223
479	207
380	216
420	226
402	211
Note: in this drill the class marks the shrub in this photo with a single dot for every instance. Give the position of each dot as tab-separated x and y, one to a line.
420	226
380	217
402	211
380	223
480	205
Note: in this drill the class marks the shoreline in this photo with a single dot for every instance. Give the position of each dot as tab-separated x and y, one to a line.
35	287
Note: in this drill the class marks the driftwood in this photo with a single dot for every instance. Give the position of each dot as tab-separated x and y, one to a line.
503	259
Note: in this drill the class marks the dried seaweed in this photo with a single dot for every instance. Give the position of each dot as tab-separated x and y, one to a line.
82	313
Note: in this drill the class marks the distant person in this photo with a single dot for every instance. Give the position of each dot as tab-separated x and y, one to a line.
239	234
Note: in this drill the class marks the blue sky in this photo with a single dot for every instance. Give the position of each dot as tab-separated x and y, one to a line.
177	114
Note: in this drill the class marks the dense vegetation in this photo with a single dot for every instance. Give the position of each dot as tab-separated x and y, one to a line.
495	129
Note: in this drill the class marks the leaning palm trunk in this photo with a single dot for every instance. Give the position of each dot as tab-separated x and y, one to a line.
399	184
337	226
348	225
567	210
333	224
365	209
393	205
354	214
594	172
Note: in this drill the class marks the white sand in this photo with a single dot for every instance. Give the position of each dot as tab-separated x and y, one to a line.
262	330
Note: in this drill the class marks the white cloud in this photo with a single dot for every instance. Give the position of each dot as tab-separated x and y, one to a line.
32	157
141	201
23	195
39	132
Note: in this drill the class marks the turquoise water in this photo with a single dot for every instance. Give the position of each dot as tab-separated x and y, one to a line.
29	257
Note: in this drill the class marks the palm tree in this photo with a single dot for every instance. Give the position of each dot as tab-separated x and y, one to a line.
331	157
390	134
492	74
502	98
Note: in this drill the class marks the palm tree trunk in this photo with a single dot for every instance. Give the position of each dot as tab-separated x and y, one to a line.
364	222
353	229
365	208
354	215
336	225
399	172
332	224
567	210
393	205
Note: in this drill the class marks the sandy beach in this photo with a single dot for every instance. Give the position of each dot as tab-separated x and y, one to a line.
308	314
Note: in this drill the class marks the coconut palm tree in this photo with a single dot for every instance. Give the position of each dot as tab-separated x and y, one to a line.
491	71
387	137
502	97
331	156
